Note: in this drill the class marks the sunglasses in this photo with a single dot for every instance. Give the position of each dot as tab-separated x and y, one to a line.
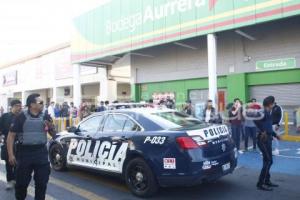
40	102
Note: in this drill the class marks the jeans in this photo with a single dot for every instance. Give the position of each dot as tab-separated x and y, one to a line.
236	134
250	132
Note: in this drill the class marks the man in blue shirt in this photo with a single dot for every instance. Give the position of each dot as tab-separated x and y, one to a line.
266	133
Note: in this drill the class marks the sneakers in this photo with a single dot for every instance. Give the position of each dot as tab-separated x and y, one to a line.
10	185
240	151
263	188
270	184
275	152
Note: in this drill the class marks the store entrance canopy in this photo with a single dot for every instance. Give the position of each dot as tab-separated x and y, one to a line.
118	27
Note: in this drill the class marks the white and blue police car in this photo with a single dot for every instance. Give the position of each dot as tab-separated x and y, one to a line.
149	148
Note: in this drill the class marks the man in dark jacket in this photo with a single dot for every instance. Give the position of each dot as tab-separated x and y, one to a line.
276	115
266	133
5	123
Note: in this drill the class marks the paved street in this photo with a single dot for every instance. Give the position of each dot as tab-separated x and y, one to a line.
76	184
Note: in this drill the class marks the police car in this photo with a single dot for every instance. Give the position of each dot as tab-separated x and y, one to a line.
149	148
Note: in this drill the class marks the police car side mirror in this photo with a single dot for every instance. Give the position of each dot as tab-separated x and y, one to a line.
72	129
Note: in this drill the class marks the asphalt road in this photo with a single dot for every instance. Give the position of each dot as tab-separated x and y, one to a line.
77	184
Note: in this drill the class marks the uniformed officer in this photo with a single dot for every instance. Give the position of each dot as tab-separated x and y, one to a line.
5	122
30	128
264	142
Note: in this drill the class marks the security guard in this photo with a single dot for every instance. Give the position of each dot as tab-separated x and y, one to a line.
5	122
266	133
31	128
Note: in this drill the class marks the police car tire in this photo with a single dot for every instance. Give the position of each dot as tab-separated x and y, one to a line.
152	187
62	167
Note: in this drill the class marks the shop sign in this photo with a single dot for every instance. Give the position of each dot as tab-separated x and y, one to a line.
278	64
9	78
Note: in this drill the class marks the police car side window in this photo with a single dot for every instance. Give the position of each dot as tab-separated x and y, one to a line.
91	125
131	126
114	123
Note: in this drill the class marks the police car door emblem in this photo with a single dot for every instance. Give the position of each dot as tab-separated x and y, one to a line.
223	147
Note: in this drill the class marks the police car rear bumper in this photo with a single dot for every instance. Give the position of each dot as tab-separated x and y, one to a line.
198	176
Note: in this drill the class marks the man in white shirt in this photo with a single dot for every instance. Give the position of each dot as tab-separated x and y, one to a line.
51	109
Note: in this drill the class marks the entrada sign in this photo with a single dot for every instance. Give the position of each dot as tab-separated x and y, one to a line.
285	63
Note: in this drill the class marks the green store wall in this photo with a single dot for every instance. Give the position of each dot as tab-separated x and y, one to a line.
237	85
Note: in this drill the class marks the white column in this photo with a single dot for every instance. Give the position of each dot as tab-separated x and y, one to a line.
108	88
112	88
76	85
54	94
212	68
103	93
24	97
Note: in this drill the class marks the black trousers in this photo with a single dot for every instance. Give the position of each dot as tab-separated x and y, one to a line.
32	161
265	147
10	171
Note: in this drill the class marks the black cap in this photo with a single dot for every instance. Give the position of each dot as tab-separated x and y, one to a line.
15	102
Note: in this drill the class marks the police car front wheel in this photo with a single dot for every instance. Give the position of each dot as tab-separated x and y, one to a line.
57	160
140	178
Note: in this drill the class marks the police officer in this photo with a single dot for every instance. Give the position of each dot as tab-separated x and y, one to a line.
276	115
5	122
266	133
30	128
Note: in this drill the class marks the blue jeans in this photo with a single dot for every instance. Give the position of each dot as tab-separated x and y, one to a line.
250	132
236	134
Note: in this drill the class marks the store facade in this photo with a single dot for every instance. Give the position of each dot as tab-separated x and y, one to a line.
197	49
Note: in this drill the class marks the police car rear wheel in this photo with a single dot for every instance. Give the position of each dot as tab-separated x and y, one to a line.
140	178
57	159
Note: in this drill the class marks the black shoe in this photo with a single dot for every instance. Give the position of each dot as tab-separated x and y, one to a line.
263	188
270	184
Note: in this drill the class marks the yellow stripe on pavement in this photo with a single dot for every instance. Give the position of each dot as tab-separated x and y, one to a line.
30	190
67	186
102	180
77	190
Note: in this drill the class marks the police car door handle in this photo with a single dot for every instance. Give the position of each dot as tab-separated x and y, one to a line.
118	138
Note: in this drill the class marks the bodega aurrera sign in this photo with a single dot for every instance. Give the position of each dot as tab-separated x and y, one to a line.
152	13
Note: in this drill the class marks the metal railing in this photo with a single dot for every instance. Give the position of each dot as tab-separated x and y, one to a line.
286	136
63	123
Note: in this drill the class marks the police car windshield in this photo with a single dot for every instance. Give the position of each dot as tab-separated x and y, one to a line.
174	120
